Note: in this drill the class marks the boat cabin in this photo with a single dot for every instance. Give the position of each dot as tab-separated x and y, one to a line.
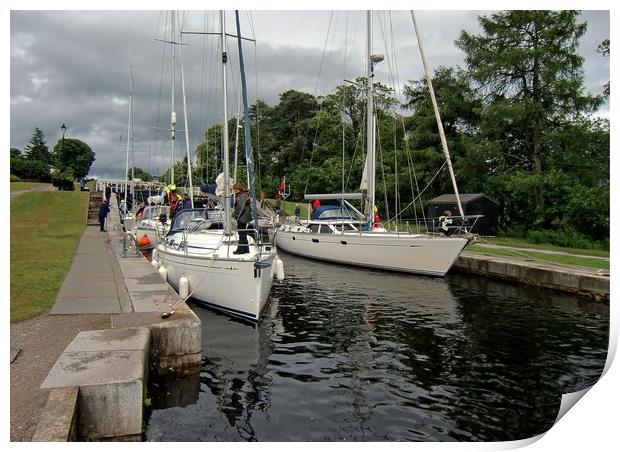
197	219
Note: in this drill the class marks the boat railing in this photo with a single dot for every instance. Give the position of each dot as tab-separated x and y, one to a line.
432	225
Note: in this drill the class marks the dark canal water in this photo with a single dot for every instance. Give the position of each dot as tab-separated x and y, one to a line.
348	354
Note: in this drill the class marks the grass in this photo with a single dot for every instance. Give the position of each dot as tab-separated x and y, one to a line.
289	207
556	258
521	243
46	228
15	186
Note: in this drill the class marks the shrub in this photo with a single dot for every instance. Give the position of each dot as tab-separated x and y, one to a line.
14	178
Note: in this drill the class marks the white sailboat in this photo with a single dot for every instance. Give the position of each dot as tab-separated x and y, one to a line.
346	236
197	256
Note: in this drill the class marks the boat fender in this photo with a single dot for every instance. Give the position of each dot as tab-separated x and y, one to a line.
163	273
279	268
154	254
154	263
144	241
183	287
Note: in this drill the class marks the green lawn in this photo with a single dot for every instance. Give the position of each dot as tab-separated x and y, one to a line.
46	228
557	258
15	186
520	243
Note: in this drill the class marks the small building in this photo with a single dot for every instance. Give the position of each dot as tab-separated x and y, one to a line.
473	204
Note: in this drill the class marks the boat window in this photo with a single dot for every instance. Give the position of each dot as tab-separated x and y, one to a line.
314	228
185	217
344	227
325	229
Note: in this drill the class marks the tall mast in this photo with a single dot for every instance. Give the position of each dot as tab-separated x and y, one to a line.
370	123
129	137
173	115
189	159
225	126
442	135
249	152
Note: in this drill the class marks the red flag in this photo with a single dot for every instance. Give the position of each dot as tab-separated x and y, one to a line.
282	187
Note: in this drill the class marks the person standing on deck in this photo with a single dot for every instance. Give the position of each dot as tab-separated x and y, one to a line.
108	192
444	221
243	214
104	209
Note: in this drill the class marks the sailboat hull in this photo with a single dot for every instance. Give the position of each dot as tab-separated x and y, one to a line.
233	286
411	253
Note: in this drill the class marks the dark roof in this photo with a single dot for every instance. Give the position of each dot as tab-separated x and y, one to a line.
450	198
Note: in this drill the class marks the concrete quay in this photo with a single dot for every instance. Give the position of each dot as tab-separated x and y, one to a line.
582	281
97	387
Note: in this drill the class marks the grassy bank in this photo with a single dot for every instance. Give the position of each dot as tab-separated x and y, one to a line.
520	243
556	258
15	186
45	231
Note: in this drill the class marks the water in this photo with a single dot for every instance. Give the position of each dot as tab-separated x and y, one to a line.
347	354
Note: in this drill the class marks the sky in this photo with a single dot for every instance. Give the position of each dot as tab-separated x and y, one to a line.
72	67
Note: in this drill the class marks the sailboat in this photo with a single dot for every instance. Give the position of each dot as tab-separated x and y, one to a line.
197	255
344	235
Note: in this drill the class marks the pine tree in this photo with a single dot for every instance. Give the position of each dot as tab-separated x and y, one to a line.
36	149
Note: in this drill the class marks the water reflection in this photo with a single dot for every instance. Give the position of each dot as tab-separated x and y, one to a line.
354	354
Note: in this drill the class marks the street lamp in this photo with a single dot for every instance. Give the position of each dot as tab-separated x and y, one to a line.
62	148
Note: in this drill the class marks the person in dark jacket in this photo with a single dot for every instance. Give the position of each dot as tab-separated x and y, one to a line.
243	214
104	209
108	192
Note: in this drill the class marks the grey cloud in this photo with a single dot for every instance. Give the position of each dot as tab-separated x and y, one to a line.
72	67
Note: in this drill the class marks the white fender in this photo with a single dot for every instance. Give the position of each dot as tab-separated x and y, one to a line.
279	268
183	287
154	254
163	273
154	263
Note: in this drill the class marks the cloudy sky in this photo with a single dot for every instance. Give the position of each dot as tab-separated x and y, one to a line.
72	67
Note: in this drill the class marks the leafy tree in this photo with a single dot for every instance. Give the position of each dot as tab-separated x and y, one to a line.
36	149
139	173
16	153
603	49
73	155
527	64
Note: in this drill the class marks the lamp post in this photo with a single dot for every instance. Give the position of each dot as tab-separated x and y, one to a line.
62	148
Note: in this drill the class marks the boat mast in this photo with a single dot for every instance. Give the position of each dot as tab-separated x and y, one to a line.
442	135
225	127
189	159
237	132
247	141
129	138
173	115
370	123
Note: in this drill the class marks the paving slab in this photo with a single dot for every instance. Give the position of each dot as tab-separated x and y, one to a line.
111	340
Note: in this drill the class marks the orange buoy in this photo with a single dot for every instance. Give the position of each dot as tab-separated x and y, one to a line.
144	241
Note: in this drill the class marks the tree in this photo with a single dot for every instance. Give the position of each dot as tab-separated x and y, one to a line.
75	155
36	149
527	64
16	153
603	49
139	173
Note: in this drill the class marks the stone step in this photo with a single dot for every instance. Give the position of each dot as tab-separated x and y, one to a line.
110	368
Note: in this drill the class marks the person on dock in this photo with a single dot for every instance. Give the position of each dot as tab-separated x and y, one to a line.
297	211
174	200
104	209
444	221
108	192
243	214
376	223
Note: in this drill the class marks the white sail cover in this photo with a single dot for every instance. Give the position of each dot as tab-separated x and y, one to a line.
219	180
364	182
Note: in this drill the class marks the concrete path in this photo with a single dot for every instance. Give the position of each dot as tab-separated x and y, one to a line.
46	187
94	285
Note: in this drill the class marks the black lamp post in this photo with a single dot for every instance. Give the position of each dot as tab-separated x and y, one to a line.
62	148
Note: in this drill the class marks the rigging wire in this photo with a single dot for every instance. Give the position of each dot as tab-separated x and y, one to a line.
316	89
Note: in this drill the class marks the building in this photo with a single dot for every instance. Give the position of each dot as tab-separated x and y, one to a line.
474	204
